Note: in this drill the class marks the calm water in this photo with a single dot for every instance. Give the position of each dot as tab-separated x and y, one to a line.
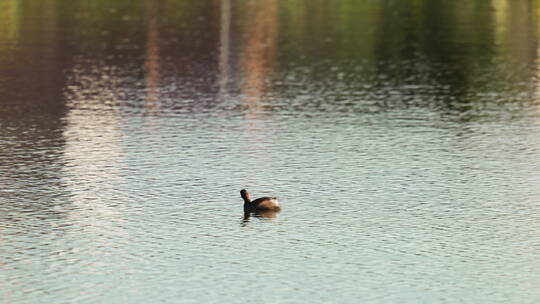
401	137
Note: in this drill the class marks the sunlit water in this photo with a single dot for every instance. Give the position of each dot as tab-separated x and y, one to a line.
406	177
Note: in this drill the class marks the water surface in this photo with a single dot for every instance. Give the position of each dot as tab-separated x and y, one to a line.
400	137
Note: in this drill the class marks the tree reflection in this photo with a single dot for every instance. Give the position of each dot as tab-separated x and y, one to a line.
224	49
258	49
152	57
194	53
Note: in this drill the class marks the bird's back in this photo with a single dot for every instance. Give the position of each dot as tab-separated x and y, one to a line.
266	203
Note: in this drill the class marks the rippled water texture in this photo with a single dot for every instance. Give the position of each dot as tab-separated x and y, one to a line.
401	137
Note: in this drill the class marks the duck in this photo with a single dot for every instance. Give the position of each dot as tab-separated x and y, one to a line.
260	204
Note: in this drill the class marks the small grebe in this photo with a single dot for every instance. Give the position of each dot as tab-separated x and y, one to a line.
260	204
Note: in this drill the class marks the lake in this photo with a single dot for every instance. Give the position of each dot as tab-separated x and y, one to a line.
401	138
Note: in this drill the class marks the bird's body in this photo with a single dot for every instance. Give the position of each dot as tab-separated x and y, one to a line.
260	204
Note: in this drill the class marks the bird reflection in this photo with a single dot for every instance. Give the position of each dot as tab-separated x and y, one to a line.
261	214
264	214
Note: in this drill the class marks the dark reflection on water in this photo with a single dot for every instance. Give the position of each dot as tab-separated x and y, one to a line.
268	214
401	135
